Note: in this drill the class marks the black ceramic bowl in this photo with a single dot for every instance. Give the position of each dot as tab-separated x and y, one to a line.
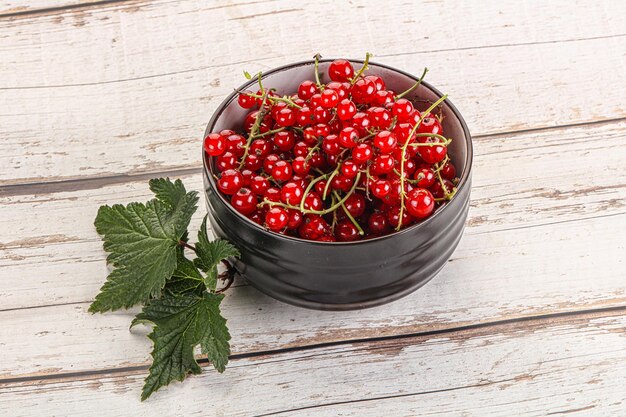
343	276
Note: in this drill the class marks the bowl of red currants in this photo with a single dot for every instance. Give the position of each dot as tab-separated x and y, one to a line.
344	183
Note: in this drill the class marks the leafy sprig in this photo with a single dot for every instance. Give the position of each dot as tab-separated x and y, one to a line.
146	245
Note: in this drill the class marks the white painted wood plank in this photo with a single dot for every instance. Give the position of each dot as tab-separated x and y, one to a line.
495	276
519	181
133	107
527	369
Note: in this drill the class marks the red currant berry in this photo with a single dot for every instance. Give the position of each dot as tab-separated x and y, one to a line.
383	97
307	89
304	116
273	194
346	109
420	203
349	169
355	205
430	124
402	132
236	144
316	100
244	201
362	153
260	148
448	171
361	122
363	91
339	182
402	109
284	140
378	82
321	115
348	137
301	149
226	133
393	217
377	223
282	171
313	201
431	154
253	162
291	193
301	166
341	89
330	98
285	117
313	227
321	130
295	218
383	164
276	107
437	190
331	145
381	189
214	144
379	117
230	181
320	187
247	175
246	101
257	216
225	161
276	219
268	163
385	141
259	185
345	231
340	70
425	177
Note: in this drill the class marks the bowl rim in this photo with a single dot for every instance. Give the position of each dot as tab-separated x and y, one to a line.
207	162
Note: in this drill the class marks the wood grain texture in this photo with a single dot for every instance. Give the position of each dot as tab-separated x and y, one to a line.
546	185
530	369
523	223
83	88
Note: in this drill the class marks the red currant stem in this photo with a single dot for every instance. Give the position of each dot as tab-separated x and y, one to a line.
330	179
318	212
274	99
349	216
440	167
317	73
404	147
254	129
334	223
447	195
309	188
445	140
259	77
413	87
367	183
269	132
311	152
362	69
186	245
298	129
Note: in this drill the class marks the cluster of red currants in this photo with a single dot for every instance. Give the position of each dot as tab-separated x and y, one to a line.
338	161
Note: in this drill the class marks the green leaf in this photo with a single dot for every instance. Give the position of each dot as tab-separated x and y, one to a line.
181	323
210	254
186	278
142	240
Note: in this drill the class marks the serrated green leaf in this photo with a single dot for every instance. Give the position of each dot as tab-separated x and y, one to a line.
210	254
181	323
182	204
186	277
141	240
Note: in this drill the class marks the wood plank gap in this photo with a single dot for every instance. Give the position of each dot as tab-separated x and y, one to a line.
568	316
60	9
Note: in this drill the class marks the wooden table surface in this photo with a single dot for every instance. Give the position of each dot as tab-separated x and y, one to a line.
527	318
